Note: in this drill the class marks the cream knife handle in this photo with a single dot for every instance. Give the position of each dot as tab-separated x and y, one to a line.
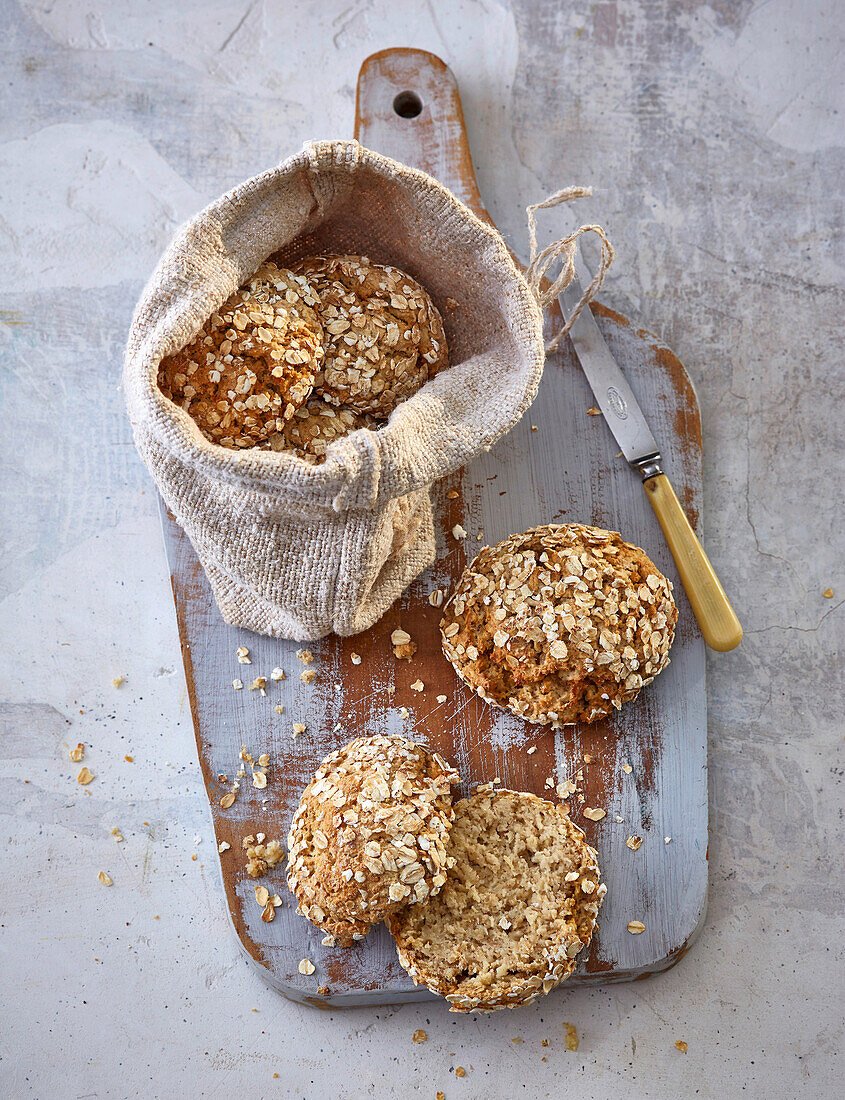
711	606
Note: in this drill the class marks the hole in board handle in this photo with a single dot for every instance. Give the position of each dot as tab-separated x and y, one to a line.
407	105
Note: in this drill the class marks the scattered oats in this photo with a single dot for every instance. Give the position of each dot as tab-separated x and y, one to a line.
328	941
355	658
451	303
223	846
262	895
480	536
84	777
278	674
227	800
532	750
570	876
635	927
593	411
77	753
828	595
242	653
305	655
275	901
571	1036
453	494
298	728
268	914
435	598
263	760
459	532
667	840
258	684
626	768
634	842
400	637
588	759
681	1046
619	819
306	967
118	680
460	1071
197	839
404	713
442	698
417	685
564	789
259	780
237	684
593	815
279	709
419	1036
308	676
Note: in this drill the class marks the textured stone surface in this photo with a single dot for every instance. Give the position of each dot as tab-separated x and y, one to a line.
712	137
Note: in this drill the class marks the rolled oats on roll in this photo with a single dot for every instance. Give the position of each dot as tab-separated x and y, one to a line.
560	624
369	836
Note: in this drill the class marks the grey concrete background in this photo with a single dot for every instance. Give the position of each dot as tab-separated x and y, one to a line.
713	135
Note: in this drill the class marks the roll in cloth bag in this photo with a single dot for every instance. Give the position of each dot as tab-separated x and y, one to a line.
292	548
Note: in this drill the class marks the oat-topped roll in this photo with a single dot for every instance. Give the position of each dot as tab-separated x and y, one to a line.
560	624
369	836
518	906
252	364
384	335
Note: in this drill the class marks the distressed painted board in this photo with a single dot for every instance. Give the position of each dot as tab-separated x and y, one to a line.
566	470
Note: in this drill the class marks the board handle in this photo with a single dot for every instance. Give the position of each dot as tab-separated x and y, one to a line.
716	617
409	108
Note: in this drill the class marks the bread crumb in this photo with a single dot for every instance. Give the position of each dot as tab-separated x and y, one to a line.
223	846
593	411
308	676
355	658
634	842
118	680
681	1046
419	1036
459	532
828	595
571	1038
306	967
105	879
278	674
84	777
242	653
77	753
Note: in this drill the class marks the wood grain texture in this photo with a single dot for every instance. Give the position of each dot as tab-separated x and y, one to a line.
566	470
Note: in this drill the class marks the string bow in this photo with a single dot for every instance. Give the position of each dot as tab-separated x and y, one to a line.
547	291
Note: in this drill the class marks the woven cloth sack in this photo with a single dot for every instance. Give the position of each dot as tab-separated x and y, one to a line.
292	548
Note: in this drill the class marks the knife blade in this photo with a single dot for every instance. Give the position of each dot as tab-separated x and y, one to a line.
718	621
613	395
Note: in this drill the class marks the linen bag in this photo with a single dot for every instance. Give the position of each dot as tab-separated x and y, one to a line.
292	548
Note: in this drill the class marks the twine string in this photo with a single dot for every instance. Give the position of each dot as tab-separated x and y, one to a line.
564	250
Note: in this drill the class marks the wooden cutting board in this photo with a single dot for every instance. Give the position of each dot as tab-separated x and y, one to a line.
565	470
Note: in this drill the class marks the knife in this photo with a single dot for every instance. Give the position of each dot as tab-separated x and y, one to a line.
624	417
